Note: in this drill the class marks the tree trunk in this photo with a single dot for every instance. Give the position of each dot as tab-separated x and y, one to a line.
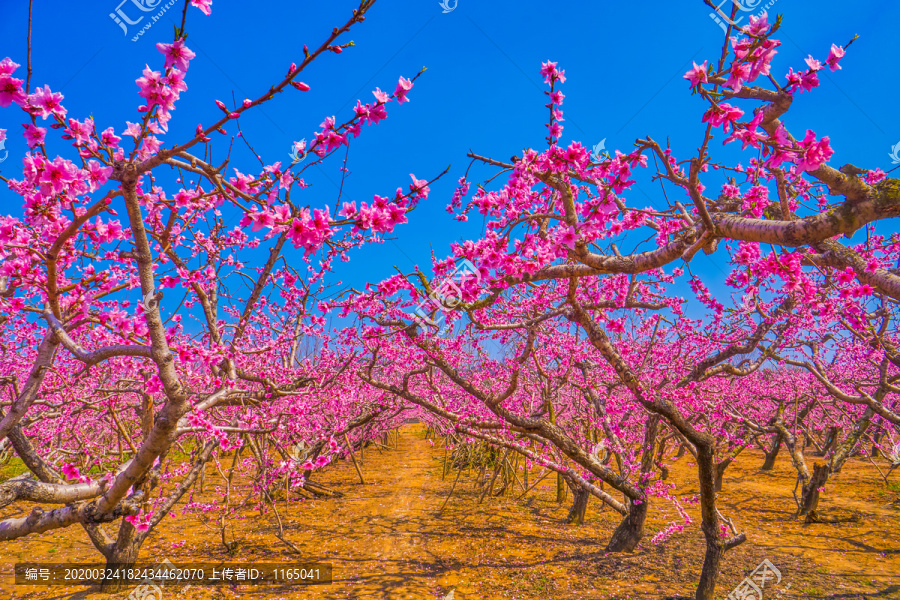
715	546
122	555
525	474
876	441
712	564
630	531
848	447
720	472
662	449
579	506
772	453
560	488
663	471
809	500
829	439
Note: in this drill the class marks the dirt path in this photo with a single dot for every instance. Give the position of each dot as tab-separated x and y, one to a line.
388	524
386	539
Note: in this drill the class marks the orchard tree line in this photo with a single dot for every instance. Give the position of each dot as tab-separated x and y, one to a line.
144	335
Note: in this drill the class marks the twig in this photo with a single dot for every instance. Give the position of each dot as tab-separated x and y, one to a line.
494	477
458	473
353	456
539	479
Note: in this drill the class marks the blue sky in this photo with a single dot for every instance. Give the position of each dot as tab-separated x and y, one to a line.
482	90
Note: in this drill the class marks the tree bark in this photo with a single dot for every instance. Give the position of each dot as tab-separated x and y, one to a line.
720	472
630	531
829	440
876	440
772	453
809	500
560	488
715	547
123	554
580	497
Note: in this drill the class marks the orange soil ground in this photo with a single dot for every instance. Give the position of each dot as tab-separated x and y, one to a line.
386	539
